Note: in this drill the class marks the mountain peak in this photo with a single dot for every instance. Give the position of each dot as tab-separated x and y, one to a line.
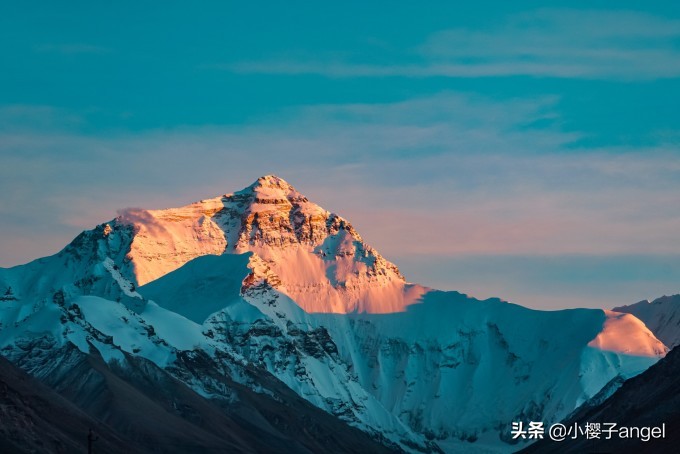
272	181
267	189
318	257
270	186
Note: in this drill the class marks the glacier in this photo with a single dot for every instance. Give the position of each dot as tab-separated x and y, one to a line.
263	278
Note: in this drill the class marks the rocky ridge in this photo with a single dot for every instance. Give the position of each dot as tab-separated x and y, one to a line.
264	280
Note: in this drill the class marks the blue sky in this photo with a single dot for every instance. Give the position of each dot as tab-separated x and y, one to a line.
501	149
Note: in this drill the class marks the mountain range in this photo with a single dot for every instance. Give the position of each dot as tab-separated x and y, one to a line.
651	399
258	321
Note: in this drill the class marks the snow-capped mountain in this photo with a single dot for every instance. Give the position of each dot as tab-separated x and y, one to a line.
308	249
647	400
263	279
662	317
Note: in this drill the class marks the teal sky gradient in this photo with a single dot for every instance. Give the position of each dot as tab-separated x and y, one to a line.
504	149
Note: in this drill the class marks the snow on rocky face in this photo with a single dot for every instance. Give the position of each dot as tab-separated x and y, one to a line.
662	317
265	278
317	257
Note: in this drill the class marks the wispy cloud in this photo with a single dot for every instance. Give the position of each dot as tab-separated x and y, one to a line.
15	117
544	43
552	281
72	48
444	175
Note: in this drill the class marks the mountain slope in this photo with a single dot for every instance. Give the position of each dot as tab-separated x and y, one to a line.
662	317
37	419
436	378
140	406
648	400
280	225
264	280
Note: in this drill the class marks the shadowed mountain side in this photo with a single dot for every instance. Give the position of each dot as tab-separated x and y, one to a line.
263	285
158	413
648	400
216	279
37	419
437	356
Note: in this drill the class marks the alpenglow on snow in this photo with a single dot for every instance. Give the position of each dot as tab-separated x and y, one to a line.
264	279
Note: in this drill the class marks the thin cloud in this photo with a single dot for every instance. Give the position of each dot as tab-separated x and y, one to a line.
447	174
545	43
71	49
552	281
15	117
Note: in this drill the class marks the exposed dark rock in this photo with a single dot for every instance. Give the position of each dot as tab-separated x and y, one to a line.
648	400
135	406
34	418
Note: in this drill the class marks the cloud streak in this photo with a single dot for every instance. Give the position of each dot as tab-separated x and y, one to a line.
552	281
562	43
443	175
71	49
